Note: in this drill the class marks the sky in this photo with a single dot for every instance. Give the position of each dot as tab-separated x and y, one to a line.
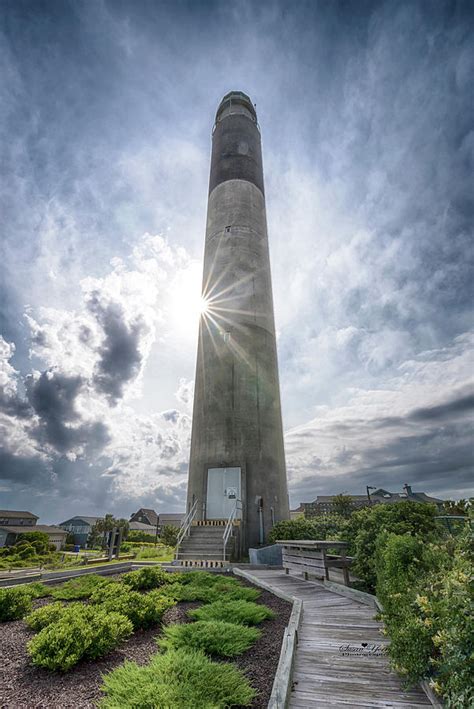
367	119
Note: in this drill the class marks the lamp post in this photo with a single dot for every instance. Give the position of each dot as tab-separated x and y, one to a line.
369	488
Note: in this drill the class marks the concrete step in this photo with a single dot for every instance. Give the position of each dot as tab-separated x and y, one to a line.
201	544
195	555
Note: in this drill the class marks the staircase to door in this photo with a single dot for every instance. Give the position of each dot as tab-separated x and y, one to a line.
205	543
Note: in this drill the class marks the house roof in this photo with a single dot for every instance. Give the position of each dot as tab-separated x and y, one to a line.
81	518
150	514
142	527
47	528
171	516
17	513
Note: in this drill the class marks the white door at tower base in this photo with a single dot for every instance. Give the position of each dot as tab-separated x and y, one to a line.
223	490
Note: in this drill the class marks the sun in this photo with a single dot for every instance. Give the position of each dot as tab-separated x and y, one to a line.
185	305
203	306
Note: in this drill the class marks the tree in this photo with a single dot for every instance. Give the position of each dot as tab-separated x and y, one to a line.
38	540
414	518
342	505
169	535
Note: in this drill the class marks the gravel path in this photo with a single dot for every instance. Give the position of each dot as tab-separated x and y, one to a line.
24	686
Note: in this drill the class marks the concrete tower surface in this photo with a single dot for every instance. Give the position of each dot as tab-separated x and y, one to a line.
237	454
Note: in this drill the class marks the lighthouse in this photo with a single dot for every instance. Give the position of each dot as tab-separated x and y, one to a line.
237	461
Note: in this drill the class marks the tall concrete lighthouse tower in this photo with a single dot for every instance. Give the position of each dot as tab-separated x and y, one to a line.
237	464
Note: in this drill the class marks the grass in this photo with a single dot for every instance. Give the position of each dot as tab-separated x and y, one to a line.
158	553
214	637
241	612
177	678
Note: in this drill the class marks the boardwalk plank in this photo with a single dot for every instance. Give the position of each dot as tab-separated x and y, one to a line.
324	676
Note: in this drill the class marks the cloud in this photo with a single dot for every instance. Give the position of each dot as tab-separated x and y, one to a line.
417	428
367	131
120	357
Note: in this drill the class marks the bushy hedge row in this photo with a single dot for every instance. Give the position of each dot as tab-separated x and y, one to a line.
424	589
324	527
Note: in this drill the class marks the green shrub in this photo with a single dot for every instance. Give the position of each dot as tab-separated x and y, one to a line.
242	612
14	603
146	578
213	637
160	552
424	589
82	587
41	617
364	526
37	590
83	634
449	603
39	541
177	678
142	610
209	594
169	535
137	536
324	527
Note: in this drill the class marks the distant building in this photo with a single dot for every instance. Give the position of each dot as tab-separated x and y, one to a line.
15	518
170	518
9	534
141	527
145	517
298	512
324	504
80	527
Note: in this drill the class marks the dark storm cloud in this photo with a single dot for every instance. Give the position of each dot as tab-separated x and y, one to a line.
22	470
52	397
458	407
119	356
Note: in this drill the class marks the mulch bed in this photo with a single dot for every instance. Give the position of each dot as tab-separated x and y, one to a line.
24	686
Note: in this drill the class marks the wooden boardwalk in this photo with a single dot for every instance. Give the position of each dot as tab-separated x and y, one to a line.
333	667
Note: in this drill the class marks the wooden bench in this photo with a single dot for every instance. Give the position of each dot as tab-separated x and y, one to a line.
311	557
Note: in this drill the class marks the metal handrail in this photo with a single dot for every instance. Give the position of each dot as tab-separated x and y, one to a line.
186	524
229	523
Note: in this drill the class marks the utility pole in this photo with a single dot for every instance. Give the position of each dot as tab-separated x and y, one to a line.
369	488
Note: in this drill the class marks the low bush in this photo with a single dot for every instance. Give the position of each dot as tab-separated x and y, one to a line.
142	610
222	590
177	678
213	637
324	527
37	590
14	603
364	526
87	633
146	578
42	617
241	612
82	587
139	536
